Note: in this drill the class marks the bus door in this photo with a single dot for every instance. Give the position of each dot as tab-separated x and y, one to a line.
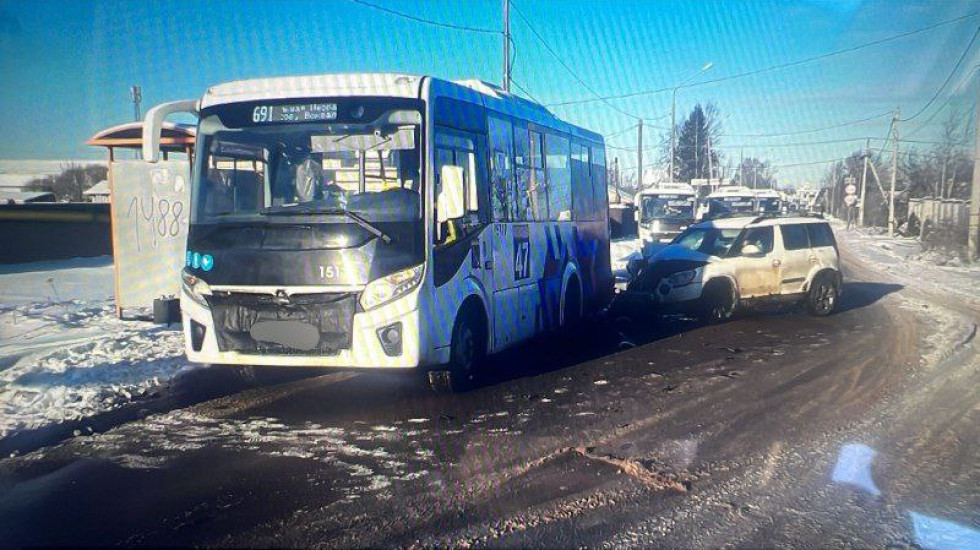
510	233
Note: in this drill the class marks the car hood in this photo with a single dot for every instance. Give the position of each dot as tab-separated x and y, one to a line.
677	252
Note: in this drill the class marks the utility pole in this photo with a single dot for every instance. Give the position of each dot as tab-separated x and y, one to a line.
506	45
639	155
616	180
673	130
864	183
137	94
709	161
891	194
973	237
741	161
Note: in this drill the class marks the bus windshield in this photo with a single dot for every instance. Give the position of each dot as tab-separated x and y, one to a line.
769	204
730	205
256	173
666	207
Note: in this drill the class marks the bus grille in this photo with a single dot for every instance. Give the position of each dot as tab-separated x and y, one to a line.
327	318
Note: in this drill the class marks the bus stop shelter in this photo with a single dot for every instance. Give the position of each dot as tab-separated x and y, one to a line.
149	205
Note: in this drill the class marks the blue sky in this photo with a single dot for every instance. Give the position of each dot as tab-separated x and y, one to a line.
67	66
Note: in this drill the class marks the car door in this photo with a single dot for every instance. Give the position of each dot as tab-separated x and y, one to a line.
797	259
757	272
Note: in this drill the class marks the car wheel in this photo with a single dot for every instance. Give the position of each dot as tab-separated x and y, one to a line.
718	303
822	298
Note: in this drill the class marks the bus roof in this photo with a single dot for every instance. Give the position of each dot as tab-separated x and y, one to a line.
389	85
733	191
677	188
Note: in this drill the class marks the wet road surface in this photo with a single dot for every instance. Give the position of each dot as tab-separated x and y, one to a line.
774	429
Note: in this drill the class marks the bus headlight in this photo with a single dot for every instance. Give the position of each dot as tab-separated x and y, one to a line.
390	287
195	287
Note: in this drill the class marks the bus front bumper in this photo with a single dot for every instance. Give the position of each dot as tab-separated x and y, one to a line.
367	348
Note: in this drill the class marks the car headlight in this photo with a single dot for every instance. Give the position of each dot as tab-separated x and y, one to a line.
682	278
390	287
195	287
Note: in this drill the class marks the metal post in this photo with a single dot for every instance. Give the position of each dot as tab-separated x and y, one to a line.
506	45
673	129
973	237
709	161
891	194
639	155
616	165
137	94
864	183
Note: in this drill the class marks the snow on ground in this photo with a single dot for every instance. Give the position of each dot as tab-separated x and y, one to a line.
905	259
63	353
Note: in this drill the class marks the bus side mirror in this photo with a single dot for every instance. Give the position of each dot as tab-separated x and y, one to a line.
450	202
153	125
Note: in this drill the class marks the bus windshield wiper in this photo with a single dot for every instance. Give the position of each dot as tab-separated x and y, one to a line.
357	218
368	226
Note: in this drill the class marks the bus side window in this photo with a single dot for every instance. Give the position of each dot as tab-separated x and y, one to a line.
522	172
502	196
599	189
559	178
538	187
459	149
581	183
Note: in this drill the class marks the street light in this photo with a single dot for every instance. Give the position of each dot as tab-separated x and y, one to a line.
673	111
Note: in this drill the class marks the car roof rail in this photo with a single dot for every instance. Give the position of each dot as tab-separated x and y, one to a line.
777	215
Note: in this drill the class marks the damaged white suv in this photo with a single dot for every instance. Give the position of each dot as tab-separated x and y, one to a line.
714	267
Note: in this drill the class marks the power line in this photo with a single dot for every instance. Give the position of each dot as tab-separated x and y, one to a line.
921	125
423	21
948	78
812	130
621	132
773	67
523	89
565	65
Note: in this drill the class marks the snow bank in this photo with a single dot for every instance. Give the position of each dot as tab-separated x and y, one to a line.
63	353
904	258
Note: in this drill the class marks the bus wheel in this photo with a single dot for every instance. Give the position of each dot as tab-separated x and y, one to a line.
465	353
573	306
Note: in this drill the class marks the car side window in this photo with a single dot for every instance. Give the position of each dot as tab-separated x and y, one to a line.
794	236
820	235
761	237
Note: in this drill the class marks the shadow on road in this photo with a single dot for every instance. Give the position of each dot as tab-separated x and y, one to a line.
862	294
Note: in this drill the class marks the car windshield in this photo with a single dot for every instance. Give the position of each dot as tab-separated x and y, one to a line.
707	240
311	169
666	207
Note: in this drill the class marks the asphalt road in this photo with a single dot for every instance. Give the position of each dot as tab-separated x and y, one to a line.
775	429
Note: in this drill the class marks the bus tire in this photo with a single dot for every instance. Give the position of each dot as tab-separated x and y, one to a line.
718	302
466	351
572	310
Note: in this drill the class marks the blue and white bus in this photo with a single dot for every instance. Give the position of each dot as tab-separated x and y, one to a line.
386	221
